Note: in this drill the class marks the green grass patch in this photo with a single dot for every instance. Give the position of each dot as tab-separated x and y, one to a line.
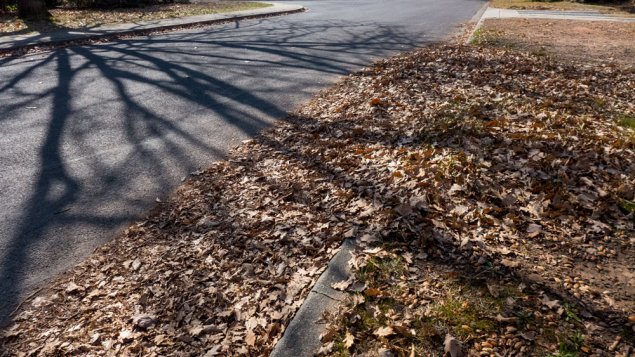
524	318
626	121
571	313
466	312
570	345
478	37
628	206
381	270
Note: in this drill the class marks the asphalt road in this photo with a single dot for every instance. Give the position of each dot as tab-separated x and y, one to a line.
91	136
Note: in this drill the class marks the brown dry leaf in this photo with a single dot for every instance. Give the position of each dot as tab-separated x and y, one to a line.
126	336
250	338
328	335
349	339
375	101
72	287
552	304
342	285
144	321
528	335
373	292
196	330
534	230
326	348
384	331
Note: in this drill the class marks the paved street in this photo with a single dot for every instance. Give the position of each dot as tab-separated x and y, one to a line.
91	136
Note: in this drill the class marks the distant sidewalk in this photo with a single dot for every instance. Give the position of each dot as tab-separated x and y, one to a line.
11	43
495	13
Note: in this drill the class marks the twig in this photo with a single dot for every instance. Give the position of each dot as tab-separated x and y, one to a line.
25	300
327	295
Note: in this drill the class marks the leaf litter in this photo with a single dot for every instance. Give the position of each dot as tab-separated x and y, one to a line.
449	162
503	173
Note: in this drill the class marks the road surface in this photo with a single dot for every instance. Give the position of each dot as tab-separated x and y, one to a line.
90	136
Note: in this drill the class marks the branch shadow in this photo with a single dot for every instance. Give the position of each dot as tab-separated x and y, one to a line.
105	127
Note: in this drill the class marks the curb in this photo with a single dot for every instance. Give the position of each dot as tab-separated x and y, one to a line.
20	50
478	18
302	335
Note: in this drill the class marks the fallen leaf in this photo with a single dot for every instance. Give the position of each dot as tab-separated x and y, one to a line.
342	285
384	331
144	321
250	338
372	292
72	288
348	340
533	230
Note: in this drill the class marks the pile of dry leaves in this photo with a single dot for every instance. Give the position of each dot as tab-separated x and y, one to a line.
512	179
483	160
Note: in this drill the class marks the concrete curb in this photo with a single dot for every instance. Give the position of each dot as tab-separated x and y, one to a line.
24	44
478	18
302	335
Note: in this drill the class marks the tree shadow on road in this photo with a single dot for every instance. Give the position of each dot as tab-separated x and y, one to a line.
116	120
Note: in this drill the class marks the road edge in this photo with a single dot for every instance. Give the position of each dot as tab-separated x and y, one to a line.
478	18
302	335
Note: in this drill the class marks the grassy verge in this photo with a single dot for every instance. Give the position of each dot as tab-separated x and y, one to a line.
77	19
410	307
626	9
586	43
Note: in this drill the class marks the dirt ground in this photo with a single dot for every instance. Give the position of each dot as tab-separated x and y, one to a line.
624	8
588	42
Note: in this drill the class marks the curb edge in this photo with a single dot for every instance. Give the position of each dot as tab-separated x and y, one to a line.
22	50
